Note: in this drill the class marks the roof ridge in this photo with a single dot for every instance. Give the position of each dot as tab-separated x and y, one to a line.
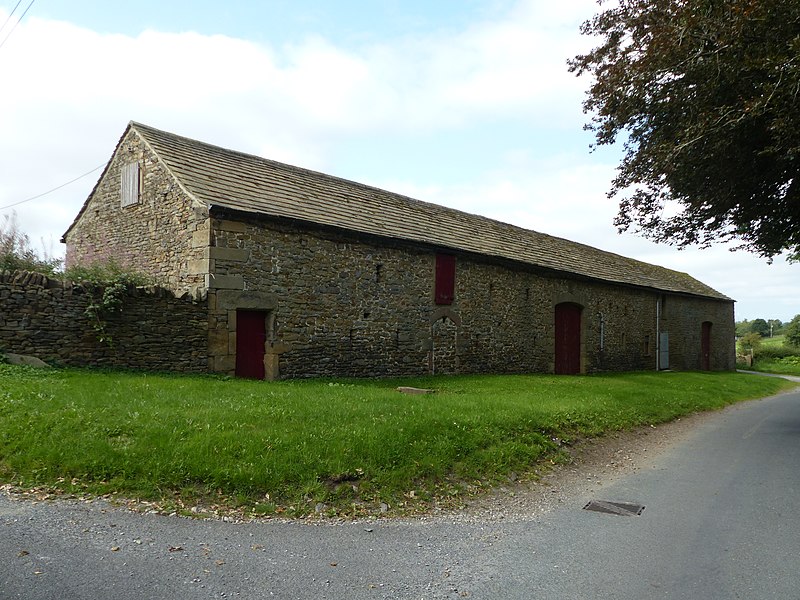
322	174
250	183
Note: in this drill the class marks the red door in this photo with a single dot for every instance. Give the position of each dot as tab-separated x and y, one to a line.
251	335
568	339
705	346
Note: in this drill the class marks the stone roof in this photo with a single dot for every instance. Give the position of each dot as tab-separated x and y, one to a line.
217	177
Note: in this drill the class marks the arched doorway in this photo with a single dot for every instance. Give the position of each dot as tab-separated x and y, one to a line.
568	338
705	346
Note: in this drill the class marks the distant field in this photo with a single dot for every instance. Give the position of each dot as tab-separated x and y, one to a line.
348	447
773	341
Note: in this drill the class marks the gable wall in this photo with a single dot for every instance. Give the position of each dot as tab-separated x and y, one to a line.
154	236
340	305
682	318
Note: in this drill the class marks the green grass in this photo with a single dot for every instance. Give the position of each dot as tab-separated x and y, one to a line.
773	342
349	444
788	365
775	356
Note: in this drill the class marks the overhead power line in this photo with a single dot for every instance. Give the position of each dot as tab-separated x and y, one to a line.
10	31
11	14
54	189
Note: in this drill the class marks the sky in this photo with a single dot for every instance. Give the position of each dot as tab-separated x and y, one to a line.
464	103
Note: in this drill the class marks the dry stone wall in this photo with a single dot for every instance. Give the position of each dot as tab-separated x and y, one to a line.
155	330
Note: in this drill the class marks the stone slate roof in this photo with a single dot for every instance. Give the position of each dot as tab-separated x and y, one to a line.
217	177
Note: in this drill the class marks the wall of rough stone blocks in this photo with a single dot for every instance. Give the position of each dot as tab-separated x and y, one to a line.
682	319
155	330
163	235
343	305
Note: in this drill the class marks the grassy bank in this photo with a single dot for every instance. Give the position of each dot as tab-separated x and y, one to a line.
298	445
788	365
774	355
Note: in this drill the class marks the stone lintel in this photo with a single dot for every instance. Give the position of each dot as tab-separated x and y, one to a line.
247	299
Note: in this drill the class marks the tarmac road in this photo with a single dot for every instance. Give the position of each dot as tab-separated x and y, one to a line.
721	520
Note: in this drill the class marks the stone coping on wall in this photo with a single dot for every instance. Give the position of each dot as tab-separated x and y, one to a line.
32	278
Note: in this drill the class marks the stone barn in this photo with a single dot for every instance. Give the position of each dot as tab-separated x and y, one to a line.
305	274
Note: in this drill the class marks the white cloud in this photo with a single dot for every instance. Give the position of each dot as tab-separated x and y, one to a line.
566	198
68	93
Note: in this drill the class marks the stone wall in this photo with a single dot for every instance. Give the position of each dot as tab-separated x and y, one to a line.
155	330
682	319
338	304
162	235
334	303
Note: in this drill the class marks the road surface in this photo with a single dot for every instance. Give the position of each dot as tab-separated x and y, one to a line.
721	519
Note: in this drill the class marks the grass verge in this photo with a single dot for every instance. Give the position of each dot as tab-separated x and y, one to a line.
346	447
788	365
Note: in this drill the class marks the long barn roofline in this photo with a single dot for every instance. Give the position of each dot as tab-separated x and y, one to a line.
245	183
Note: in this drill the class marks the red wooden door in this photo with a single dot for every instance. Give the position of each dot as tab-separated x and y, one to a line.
705	346
251	335
568	339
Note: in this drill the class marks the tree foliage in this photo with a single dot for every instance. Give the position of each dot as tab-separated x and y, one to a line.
742	328
704	95
760	326
749	342
776	326
793	331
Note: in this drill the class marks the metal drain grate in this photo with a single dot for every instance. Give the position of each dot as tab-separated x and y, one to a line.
625	509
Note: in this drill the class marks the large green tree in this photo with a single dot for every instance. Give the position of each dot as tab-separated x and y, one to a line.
793	331
760	326
704	95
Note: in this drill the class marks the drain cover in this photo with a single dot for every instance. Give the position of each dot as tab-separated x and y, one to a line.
625	509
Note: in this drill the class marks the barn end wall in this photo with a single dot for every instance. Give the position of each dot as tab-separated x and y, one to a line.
682	319
340	305
157	235
154	330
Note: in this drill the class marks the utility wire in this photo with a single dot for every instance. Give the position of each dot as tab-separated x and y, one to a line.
54	189
11	14
8	35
